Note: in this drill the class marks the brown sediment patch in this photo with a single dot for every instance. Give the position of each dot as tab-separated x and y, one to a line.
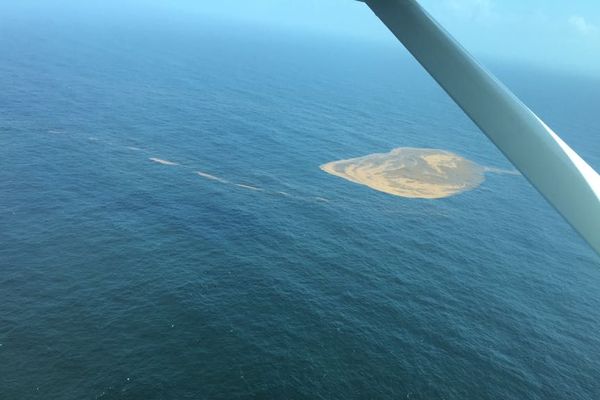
411	172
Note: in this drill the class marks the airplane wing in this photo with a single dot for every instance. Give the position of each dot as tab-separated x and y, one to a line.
550	165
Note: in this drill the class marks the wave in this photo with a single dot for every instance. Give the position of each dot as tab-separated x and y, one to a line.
502	171
161	161
249	187
211	177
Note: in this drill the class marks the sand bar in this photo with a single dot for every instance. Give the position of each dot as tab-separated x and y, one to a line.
411	172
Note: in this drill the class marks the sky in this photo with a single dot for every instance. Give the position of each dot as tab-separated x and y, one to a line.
558	34
555	34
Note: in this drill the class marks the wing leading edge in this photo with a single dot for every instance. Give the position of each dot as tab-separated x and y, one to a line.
552	167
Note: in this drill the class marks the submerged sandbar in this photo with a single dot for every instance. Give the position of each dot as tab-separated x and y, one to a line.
411	172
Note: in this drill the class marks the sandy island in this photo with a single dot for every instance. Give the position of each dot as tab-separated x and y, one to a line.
411	172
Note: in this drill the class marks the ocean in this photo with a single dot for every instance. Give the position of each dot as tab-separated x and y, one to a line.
166	232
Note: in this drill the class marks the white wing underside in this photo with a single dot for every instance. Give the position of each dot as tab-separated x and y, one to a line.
552	167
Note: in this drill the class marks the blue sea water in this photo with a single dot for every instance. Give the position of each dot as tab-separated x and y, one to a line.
124	278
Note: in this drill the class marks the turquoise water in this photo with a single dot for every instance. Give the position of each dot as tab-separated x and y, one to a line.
124	278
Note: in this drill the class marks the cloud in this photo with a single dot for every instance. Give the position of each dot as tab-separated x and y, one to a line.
581	25
471	9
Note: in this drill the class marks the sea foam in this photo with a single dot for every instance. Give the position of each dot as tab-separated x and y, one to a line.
161	161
